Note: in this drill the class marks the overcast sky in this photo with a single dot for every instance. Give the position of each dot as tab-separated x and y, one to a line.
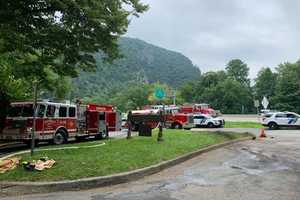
212	32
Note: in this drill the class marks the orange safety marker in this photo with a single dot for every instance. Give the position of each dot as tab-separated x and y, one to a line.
262	133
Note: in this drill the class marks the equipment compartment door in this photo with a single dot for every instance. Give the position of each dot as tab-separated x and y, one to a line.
102	122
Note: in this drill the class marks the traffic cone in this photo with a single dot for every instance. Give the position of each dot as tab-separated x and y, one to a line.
262	133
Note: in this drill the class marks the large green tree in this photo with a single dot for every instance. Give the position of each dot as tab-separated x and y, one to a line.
287	95
265	84
238	70
11	87
60	36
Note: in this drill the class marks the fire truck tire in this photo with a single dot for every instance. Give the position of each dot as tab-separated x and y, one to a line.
177	126
60	137
135	127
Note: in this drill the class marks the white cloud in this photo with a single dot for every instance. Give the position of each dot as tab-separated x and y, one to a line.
210	33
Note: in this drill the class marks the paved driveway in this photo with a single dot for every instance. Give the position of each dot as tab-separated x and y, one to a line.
261	169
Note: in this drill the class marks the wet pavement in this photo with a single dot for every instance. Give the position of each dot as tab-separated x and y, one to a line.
261	169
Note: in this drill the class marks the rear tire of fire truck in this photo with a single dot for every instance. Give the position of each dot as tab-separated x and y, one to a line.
176	126
60	137
135	127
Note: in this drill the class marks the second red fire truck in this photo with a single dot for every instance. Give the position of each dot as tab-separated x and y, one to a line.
57	122
173	118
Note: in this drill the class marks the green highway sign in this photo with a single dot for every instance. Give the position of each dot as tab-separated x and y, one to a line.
160	93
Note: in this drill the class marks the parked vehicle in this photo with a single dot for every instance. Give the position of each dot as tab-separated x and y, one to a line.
148	116
178	120
173	118
202	120
275	120
57	122
199	109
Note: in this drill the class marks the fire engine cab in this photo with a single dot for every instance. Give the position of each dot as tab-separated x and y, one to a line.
57	122
201	108
177	120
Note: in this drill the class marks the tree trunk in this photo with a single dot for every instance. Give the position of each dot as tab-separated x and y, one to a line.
4	105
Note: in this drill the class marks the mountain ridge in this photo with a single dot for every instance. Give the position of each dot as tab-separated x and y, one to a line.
142	62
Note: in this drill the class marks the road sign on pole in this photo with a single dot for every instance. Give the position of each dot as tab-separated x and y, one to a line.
265	102
160	93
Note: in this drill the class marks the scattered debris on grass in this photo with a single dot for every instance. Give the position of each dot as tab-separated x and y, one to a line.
9	164
40	165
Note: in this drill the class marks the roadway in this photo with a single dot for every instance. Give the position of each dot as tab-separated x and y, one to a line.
10	147
241	118
258	169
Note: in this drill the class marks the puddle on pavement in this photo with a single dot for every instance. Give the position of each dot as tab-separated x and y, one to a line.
255	162
247	162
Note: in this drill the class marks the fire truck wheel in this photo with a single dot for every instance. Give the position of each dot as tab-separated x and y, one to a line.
60	137
135	127
177	126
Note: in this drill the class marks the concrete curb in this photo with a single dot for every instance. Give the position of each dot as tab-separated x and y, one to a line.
18	188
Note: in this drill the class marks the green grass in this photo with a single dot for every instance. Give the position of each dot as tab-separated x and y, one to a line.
118	155
230	124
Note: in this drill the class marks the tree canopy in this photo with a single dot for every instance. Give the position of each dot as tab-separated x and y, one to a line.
265	83
287	90
238	70
62	34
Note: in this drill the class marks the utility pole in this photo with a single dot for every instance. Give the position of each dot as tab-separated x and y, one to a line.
129	123
160	127
174	97
33	130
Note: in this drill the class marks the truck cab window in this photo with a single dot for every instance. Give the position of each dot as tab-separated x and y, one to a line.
72	112
27	110
50	111
41	111
15	111
62	111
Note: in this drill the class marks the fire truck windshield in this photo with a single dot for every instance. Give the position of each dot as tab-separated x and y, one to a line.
20	110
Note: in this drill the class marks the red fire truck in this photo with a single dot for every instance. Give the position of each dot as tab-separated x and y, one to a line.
173	118
178	120
202	108
57	122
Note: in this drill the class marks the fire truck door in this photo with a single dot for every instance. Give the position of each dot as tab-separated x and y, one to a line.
102	122
118	121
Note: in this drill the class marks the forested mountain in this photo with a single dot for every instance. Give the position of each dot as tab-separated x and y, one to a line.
141	63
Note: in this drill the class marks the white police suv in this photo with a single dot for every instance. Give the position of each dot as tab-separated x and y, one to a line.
274	120
202	120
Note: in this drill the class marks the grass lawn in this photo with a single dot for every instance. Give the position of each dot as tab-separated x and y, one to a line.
229	124
118	155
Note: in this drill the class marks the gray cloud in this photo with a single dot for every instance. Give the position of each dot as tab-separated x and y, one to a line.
260	32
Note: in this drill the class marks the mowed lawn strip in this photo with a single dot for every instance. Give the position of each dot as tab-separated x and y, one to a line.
230	124
117	155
